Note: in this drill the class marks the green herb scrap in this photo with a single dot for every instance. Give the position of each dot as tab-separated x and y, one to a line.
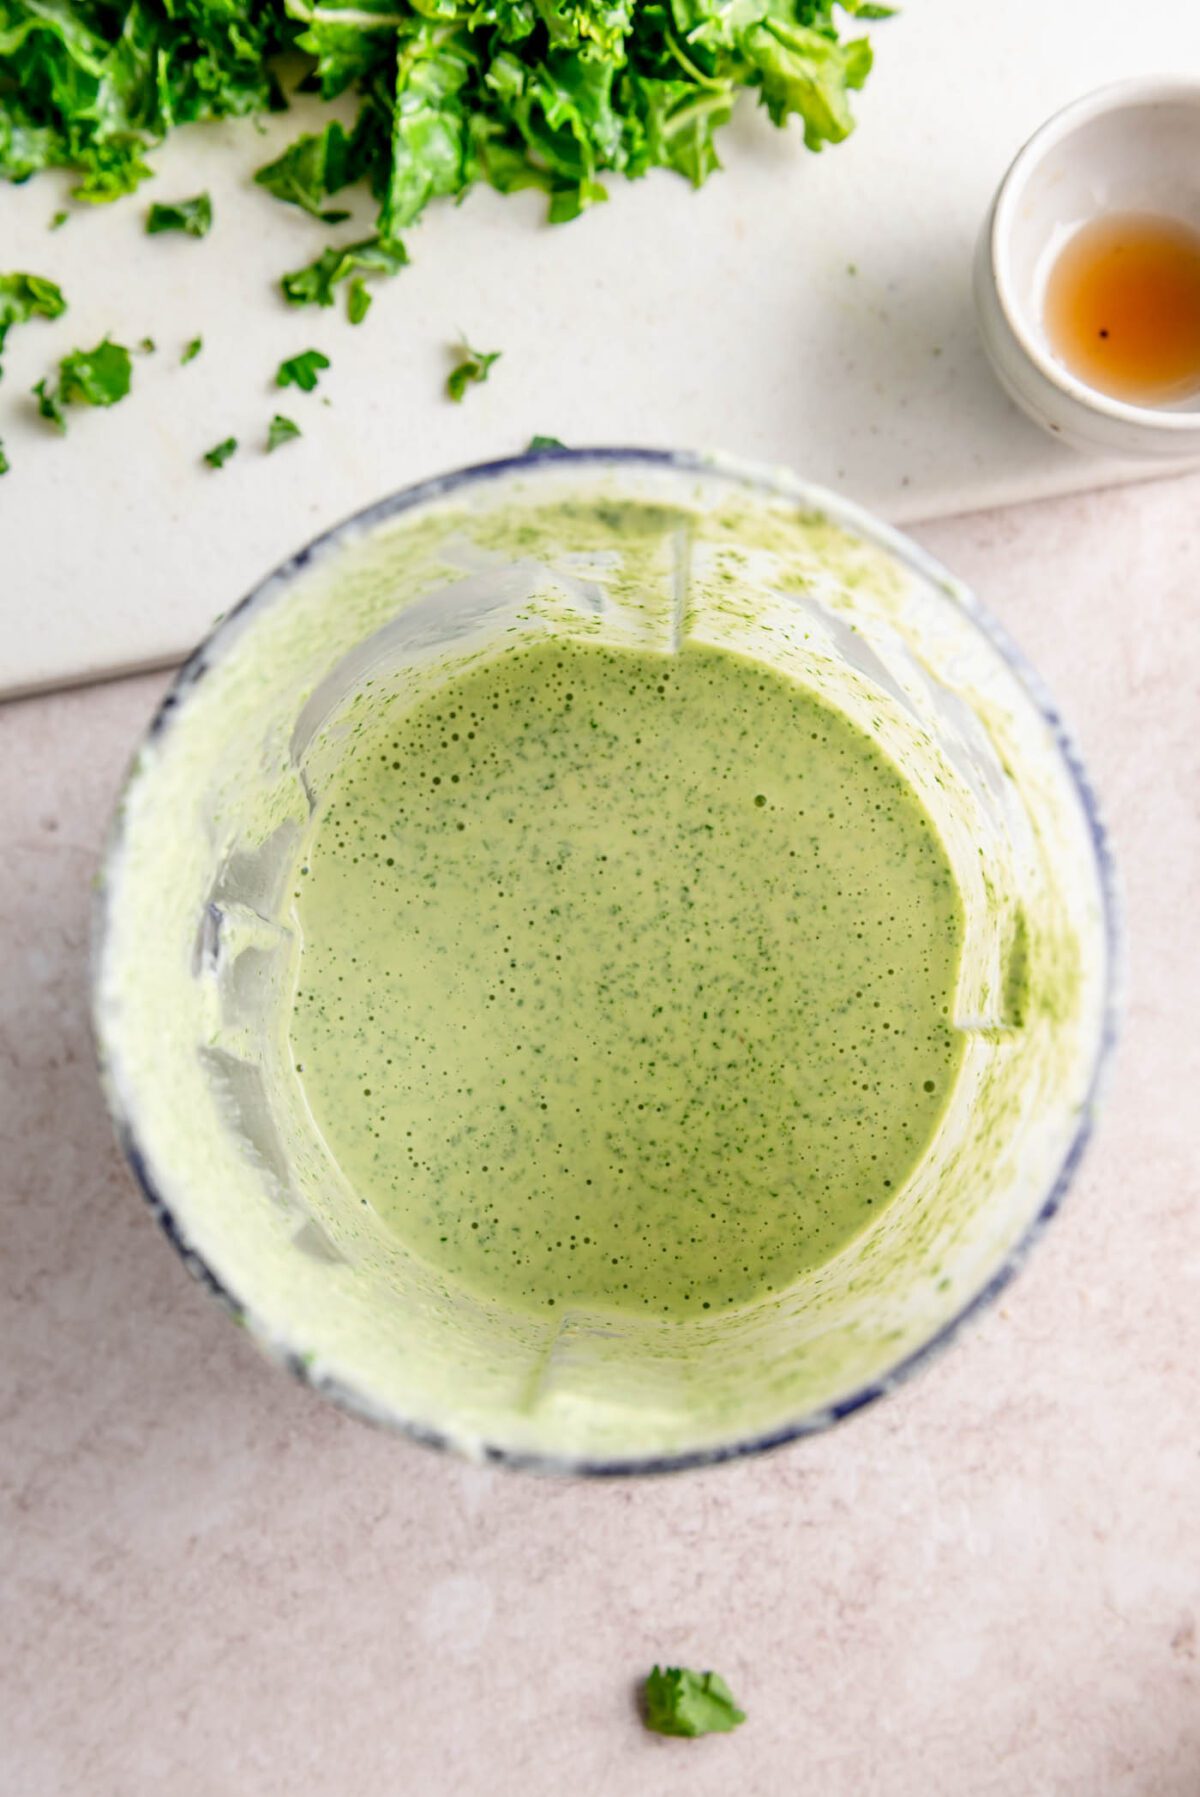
358	300
554	95
680	1702
219	454
538	444
23	297
191	350
473	368
4	461
96	377
48	404
193	217
315	284
301	371
282	430
317	164
89	377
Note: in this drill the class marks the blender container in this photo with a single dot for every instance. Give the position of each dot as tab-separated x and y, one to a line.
196	947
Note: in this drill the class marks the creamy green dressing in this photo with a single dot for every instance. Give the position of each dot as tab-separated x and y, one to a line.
626	979
569	1325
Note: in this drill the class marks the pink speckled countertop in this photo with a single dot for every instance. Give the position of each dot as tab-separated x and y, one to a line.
988	1586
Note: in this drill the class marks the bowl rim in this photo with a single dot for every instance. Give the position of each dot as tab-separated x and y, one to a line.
1132	94
768	482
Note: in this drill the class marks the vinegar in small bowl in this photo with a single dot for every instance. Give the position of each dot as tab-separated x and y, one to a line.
1122	307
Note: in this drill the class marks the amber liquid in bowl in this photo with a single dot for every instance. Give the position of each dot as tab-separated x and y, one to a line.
1122	307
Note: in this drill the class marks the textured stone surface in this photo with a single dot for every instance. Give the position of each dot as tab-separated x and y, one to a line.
989	1585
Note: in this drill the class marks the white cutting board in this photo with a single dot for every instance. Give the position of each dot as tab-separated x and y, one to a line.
807	310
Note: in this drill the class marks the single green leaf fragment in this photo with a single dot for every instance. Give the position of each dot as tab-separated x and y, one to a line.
24	296
681	1702
193	217
58	221
802	71
191	350
431	149
219	454
4	461
48	404
358	300
569	201
147	346
95	377
301	371
538	444
282	430
317	164
315	285
473	368
87	377
114	168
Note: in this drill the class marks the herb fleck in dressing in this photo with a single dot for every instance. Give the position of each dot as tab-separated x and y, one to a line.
626	980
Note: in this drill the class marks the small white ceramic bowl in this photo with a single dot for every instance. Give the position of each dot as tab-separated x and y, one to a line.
1133	147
